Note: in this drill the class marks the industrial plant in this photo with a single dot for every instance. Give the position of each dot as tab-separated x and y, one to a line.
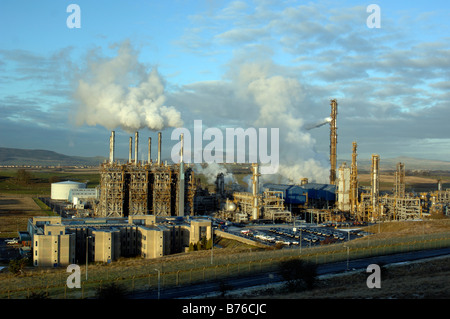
154	208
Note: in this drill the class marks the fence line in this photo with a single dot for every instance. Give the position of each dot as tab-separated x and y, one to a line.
209	268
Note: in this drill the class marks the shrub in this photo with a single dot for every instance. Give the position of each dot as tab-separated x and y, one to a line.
16	266
299	275
111	291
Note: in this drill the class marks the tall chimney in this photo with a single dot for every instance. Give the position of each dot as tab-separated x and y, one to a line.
130	151
159	148
111	147
136	146
181	182
149	150
255	190
375	184
333	142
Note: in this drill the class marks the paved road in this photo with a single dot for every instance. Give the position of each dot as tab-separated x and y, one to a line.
267	278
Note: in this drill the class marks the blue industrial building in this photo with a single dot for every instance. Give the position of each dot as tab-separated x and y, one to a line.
311	193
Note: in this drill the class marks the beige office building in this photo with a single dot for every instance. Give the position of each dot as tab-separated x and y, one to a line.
60	242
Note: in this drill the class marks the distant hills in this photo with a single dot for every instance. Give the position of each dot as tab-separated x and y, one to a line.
15	156
411	163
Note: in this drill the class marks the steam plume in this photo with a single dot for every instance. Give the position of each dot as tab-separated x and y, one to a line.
121	92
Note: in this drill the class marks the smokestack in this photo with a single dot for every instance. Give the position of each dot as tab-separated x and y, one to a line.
255	189
333	142
354	181
111	147
136	146
149	150
130	151
182	182
159	148
375	184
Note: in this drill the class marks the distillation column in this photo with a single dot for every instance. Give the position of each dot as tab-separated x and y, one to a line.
375	185
333	142
354	182
399	191
255	190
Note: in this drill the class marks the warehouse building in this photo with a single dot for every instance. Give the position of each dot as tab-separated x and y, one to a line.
306	195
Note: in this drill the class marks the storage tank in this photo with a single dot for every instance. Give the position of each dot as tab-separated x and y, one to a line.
61	190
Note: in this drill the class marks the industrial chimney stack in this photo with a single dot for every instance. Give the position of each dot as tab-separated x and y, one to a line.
333	142
159	148
111	147
136	148
181	181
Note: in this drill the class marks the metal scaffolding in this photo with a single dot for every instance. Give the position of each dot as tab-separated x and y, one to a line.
153	188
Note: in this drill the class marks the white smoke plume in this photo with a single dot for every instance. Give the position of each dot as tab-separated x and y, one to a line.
318	124
279	102
212	170
122	92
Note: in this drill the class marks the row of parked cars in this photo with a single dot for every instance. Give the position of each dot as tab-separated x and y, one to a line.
310	234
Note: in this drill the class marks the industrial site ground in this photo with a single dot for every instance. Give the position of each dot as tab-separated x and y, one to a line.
416	280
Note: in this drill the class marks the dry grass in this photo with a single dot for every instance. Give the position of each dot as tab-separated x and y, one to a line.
405	228
15	210
427	279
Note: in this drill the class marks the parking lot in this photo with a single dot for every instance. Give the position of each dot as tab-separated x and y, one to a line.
306	235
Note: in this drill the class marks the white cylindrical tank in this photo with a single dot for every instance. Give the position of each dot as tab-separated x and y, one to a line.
60	191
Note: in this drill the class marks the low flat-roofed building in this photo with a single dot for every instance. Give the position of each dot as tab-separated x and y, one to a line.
59	242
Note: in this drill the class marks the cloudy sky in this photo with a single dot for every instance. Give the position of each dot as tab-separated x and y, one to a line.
158	65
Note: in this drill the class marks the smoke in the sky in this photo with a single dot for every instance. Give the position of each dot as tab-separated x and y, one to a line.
212	170
318	124
120	92
279	102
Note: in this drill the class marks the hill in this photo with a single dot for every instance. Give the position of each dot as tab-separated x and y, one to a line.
411	163
15	156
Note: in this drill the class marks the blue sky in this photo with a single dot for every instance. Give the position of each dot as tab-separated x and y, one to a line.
229	63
